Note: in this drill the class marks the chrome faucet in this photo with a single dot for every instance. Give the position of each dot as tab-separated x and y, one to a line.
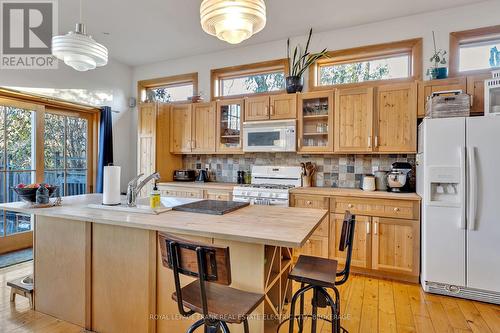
133	189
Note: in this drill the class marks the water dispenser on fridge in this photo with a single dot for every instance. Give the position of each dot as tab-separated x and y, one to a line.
444	186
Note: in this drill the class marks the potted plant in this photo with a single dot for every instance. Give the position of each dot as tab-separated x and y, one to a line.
438	71
299	63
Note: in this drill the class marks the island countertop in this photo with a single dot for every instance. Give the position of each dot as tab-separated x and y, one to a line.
269	225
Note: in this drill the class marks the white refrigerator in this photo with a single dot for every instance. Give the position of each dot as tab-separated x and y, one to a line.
458	178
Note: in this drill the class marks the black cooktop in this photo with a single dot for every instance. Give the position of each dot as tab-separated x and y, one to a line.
214	207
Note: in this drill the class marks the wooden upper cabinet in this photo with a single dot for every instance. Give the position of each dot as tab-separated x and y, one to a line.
180	128
475	88
315	122
361	243
396	245
256	108
229	125
146	145
204	130
396	118
353	120
283	106
426	88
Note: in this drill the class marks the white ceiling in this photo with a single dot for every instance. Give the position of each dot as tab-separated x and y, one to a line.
148	31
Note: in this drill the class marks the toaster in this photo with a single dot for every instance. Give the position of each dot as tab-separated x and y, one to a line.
184	175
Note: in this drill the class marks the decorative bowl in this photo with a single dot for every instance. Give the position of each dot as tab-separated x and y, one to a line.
28	194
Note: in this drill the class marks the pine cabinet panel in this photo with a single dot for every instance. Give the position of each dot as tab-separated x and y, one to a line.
396	245
256	108
146	137
283	106
361	244
475	88
396	118
180	129
230	125
309	201
353	120
316	246
204	130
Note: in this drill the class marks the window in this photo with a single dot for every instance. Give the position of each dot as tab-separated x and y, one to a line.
263	77
390	61
176	88
476	50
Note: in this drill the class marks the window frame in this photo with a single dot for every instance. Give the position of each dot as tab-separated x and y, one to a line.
172	81
264	67
472	35
410	47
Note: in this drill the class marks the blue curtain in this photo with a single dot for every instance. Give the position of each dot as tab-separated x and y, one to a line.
105	144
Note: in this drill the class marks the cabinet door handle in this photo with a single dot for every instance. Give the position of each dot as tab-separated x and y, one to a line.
375	228
396	209
369	142
367	228
376	141
308	202
350	205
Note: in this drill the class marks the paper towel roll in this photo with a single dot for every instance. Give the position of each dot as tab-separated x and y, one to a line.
111	185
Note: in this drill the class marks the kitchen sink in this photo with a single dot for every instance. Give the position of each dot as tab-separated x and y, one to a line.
142	205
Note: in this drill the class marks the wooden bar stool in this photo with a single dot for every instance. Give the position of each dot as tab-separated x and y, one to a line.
209	295
319	274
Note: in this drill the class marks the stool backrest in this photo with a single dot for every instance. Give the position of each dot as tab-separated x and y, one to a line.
346	240
206	262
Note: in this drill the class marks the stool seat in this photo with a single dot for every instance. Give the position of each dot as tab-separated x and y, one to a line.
224	303
315	271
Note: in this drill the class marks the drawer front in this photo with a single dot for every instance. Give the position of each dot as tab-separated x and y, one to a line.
180	192
376	207
218	195
309	201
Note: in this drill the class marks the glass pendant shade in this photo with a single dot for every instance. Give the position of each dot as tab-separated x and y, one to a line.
233	21
79	50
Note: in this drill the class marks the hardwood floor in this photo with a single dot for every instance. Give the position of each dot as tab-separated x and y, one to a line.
367	305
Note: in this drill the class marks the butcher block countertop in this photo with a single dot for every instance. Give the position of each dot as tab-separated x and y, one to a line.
348	192
269	225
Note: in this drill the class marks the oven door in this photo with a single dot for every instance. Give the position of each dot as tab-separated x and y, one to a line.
268	137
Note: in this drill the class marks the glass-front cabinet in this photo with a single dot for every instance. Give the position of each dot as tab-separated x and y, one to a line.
229	125
315	122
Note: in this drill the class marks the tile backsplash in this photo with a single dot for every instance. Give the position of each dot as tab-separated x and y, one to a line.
333	170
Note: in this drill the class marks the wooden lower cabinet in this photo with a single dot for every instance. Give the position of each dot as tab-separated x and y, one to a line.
396	245
195	192
221	195
316	246
361	244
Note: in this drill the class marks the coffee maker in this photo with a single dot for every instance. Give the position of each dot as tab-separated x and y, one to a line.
398	179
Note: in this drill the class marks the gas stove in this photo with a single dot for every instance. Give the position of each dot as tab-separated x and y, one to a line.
270	185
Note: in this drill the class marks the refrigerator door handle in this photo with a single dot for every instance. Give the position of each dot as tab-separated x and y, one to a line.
463	179
473	188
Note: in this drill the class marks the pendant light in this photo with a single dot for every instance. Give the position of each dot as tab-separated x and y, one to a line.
233	21
79	50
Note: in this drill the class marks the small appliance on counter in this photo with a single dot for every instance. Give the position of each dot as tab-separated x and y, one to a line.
184	175
202	176
381	180
398	179
368	183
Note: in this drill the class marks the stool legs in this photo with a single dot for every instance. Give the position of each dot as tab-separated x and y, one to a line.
314	313
245	326
197	324
301	317
298	294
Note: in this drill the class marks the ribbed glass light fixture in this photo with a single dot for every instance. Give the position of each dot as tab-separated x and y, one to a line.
79	50
233	21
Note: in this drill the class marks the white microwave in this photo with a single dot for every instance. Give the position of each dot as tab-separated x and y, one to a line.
269	136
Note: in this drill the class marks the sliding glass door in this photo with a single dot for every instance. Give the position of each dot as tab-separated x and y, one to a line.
41	145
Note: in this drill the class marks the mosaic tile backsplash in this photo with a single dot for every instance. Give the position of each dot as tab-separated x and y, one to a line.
333	170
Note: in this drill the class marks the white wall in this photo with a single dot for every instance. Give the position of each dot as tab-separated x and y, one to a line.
114	77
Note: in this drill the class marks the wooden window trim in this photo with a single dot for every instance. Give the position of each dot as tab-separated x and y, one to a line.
460	36
412	47
173	80
247	69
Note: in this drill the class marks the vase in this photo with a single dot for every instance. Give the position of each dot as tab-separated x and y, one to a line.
294	84
437	73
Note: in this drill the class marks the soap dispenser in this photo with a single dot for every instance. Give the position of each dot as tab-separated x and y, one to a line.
155	198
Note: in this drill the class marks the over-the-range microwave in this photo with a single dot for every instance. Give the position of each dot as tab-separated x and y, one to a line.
269	136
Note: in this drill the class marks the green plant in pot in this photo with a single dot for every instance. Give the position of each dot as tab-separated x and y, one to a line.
438	71
300	61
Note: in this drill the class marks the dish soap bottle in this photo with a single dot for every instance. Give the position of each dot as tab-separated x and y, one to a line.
154	198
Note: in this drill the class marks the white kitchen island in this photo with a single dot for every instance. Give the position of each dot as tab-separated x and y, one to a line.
102	269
